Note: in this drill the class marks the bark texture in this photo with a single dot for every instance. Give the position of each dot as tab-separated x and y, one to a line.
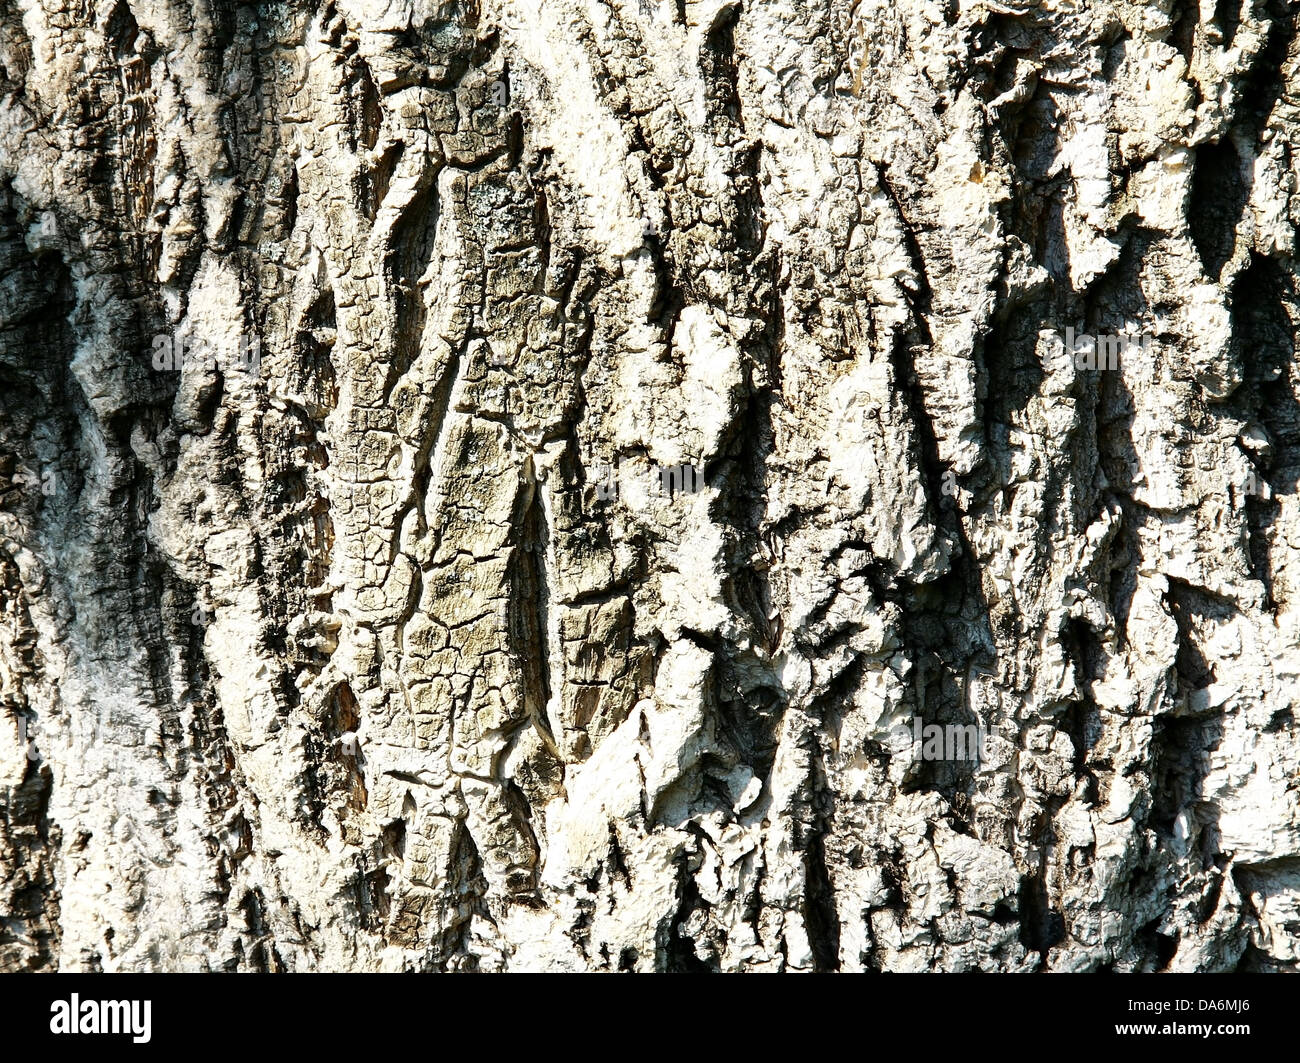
351	659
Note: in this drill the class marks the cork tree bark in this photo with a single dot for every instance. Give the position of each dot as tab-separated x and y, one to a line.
542	484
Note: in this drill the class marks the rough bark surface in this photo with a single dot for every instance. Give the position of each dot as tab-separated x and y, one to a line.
350	658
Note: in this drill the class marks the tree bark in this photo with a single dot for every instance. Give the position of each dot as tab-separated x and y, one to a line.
545	486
